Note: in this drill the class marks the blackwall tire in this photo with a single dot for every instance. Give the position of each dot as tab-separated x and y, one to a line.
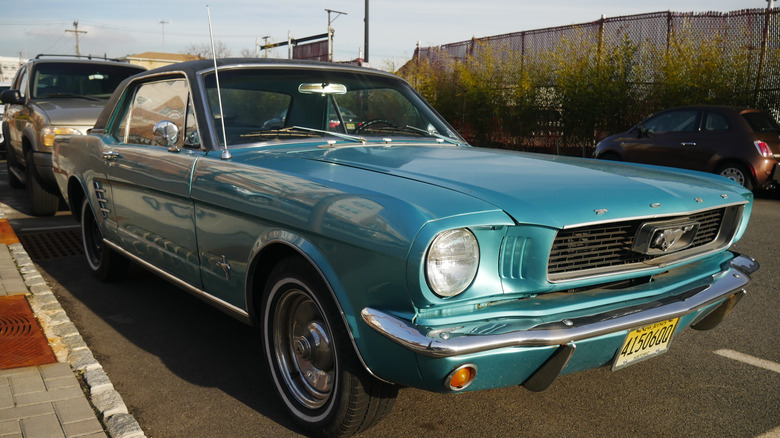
105	263
310	356
42	202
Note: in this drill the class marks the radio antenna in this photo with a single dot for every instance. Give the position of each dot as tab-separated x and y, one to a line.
225	153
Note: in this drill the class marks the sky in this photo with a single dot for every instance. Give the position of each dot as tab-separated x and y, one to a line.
120	28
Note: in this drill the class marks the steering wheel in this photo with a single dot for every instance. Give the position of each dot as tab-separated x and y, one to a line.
368	123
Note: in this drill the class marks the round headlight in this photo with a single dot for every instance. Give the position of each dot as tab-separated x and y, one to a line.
452	262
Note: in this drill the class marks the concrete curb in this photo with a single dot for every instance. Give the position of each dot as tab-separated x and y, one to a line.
69	347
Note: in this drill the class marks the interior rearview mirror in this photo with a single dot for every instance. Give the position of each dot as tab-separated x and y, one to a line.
322	88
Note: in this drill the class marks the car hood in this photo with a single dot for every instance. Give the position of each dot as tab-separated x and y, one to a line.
71	112
544	189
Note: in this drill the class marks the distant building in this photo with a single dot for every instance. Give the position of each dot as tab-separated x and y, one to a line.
8	67
152	60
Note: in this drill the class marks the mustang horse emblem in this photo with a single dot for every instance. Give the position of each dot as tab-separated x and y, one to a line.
665	239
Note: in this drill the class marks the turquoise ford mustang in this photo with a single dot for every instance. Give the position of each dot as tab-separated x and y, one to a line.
331	207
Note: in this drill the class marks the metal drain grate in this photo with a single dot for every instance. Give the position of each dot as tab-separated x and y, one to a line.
52	244
22	343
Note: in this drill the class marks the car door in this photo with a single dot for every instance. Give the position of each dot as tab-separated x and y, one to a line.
150	183
669	139
718	138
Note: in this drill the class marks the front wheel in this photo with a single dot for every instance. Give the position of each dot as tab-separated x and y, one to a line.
309	353
105	263
42	202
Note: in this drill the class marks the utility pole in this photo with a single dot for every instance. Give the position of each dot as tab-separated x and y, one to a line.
76	31
330	32
163	23
265	38
365	37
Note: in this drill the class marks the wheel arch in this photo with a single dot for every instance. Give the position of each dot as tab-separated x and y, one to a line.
75	196
610	151
723	162
281	245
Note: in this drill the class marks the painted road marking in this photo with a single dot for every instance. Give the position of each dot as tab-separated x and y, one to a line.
750	360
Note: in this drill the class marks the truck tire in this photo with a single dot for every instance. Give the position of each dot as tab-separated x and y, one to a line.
42	202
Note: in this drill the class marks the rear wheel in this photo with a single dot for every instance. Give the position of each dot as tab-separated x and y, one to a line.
42	202
737	173
309	353
105	263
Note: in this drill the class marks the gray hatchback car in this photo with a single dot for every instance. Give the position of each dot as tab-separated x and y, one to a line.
739	143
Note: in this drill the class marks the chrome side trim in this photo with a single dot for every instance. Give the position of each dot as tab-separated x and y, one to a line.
235	312
730	281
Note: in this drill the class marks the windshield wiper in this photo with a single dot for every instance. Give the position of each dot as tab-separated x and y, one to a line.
78	96
292	131
433	134
354	138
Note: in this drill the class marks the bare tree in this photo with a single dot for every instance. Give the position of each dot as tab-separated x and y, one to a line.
248	53
204	50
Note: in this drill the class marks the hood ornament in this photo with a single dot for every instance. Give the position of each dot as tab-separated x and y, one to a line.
600	211
655	205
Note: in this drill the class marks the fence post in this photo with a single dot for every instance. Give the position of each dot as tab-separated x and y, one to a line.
669	30
601	39
762	55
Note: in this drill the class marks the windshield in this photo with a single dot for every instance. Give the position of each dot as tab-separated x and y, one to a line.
69	80
261	105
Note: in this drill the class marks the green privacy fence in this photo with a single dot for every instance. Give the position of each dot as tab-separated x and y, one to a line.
561	90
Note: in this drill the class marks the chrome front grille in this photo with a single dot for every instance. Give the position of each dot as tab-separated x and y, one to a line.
604	249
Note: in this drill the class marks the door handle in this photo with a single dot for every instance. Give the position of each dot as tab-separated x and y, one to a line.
689	143
110	155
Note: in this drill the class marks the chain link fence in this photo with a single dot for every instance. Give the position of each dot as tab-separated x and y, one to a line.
747	46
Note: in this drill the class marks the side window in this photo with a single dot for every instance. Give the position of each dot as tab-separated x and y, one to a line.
715	122
674	121
153	102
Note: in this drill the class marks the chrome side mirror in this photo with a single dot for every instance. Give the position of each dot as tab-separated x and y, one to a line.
166	133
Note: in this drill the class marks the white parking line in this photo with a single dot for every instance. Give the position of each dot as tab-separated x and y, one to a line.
750	360
761	363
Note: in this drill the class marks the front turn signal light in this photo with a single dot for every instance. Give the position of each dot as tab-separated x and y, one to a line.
48	133
461	377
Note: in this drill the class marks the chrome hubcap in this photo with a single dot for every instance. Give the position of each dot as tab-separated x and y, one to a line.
303	349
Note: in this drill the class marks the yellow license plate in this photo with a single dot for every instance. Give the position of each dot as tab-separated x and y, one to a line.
645	342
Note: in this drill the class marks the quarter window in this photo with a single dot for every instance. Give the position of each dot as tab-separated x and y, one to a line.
715	122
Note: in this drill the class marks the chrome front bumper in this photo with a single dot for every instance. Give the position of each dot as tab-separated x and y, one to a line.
729	285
